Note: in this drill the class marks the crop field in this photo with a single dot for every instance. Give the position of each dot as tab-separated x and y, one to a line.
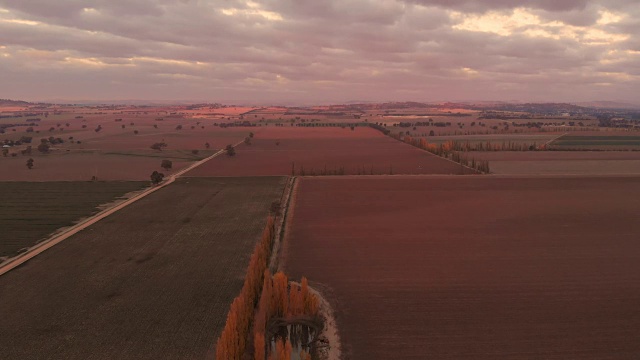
314	151
29	211
602	141
525	139
562	162
153	281
473	267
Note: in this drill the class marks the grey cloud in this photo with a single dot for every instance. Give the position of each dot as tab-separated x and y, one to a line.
333	50
484	5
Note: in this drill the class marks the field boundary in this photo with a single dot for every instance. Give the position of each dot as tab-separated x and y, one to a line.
39	248
387	133
476	171
274	261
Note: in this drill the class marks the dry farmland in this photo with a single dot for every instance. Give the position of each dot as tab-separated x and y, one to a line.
474	267
83	166
118	151
153	281
278	151
29	211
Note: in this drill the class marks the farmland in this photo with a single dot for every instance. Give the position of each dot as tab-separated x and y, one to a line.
83	166
154	280
511	265
111	146
602	141
524	139
29	211
283	151
563	162
473	267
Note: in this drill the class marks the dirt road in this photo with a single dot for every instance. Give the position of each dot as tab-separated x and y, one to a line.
56	239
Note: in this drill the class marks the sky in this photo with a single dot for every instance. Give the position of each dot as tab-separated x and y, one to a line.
320	51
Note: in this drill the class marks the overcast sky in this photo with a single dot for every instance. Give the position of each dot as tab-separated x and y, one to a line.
320	51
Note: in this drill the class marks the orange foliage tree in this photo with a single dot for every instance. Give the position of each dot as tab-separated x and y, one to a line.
275	298
281	299
232	341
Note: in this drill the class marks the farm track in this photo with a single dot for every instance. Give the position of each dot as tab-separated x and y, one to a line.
554	139
33	211
59	237
153	281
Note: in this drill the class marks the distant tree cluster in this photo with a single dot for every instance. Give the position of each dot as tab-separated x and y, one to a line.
166	164
156	177
159	146
446	150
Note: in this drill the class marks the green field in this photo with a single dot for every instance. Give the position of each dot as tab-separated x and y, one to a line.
29	211
524	139
597	142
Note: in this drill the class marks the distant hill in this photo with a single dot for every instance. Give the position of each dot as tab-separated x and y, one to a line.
7	102
608	105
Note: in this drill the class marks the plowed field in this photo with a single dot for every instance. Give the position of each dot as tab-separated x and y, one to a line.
474	267
312	151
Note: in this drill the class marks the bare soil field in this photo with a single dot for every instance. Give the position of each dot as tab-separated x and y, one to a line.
29	211
274	151
83	166
112	135
113	153
562	162
153	281
473	267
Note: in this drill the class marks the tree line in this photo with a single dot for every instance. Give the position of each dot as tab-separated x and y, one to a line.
445	150
233	341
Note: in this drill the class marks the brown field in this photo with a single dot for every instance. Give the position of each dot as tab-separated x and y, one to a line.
363	150
113	136
29	211
562	162
153	281
474	267
83	166
112	153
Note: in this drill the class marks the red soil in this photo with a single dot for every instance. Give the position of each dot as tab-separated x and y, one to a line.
114	137
363	150
474	267
80	167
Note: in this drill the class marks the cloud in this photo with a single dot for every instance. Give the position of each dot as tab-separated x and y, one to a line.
318	51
